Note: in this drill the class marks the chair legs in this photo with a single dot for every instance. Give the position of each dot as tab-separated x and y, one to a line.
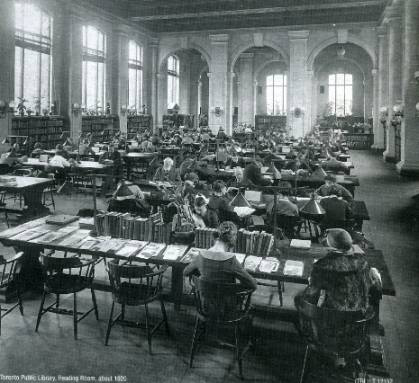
94	303
41	309
194	341
110	324
147	327
305	362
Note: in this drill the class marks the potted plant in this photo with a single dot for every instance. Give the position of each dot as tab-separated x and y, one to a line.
21	106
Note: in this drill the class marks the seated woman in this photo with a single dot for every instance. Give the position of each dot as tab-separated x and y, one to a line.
330	187
220	203
217	264
343	280
252	175
167	172
128	198
203	216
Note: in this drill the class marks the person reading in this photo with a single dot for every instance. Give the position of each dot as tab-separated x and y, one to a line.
330	187
167	172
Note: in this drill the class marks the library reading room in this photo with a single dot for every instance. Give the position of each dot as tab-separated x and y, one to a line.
209	191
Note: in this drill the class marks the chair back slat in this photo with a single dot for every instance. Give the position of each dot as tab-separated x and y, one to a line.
333	331
10	269
224	302
134	284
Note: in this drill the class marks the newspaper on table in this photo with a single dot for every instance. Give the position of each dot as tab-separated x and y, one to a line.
269	265
174	252
294	268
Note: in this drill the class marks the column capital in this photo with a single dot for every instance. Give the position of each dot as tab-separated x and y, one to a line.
209	74
153	43
374	72
219	39
381	31
298	35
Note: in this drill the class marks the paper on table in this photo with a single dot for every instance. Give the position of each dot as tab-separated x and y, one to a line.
240	257
294	268
174	252
252	262
30	234
128	251
243	211
300	243
152	250
87	243
269	265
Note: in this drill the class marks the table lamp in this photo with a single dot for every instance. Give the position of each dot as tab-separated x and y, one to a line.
312	208
239	200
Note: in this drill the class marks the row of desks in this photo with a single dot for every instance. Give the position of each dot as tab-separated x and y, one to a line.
308	257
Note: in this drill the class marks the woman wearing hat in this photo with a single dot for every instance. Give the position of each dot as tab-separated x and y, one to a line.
343	279
217	263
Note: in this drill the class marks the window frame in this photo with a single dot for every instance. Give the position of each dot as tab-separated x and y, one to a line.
173	74
137	65
336	84
271	93
98	56
41	44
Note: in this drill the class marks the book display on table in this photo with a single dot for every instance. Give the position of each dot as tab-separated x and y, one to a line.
265	123
47	130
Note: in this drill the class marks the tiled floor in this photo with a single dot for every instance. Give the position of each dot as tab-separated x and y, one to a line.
277	357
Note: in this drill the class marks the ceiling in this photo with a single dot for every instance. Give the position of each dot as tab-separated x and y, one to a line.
194	15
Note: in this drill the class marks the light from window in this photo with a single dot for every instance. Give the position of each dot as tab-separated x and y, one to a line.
32	56
340	94
135	75
94	69
172	81
276	94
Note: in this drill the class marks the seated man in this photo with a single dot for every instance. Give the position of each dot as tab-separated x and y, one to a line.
252	175
287	214
332	188
128	198
220	203
85	148
167	172
203	216
59	163
338	212
111	155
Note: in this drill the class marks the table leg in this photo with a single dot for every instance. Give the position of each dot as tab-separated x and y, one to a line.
177	286
31	273
33	201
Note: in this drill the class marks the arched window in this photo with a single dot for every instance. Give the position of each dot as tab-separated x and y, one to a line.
172	81
340	93
94	69
33	55
276	94
135	76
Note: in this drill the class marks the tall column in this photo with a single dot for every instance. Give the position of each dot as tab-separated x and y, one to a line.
218	82
394	78
410	126
382	84
308	92
245	90
74	60
154	50
230	111
376	124
119	94
161	101
297	77
7	58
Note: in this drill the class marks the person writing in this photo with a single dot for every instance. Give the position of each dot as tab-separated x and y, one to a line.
217	264
330	187
167	172
203	216
220	203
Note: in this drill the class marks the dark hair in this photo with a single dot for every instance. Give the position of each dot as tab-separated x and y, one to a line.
200	201
218	186
227	232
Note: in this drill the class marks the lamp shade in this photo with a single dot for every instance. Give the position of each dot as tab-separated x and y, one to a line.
318	174
239	201
312	208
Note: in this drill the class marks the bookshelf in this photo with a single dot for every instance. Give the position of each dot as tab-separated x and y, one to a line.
46	130
359	140
139	124
266	122
176	120
102	128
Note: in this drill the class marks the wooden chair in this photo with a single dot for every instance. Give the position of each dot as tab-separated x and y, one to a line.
334	334
135	285
49	191
221	304
9	275
67	276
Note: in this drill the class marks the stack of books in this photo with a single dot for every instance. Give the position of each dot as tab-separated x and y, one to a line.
125	225
254	242
204	237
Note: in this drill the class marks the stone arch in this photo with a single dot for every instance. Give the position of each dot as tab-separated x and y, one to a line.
179	47
267	43
264	65
334	40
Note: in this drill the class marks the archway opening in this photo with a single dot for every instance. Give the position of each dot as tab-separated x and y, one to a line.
260	90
